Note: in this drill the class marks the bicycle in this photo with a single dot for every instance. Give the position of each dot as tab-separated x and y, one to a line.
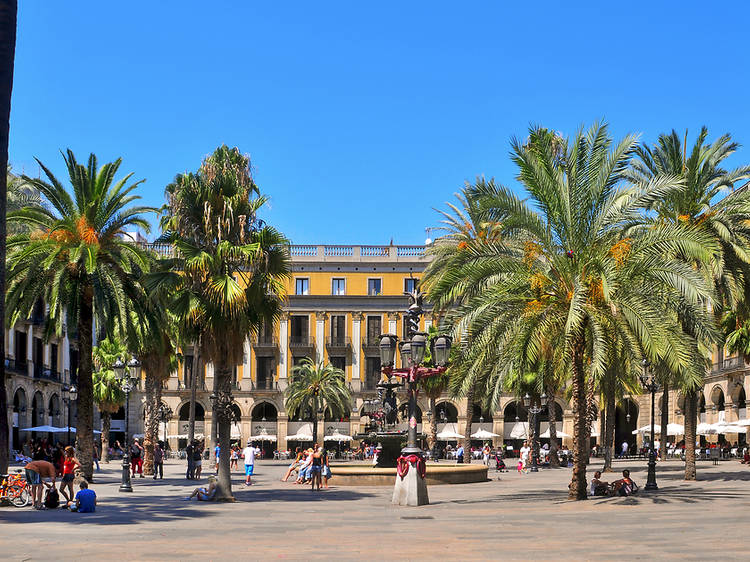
15	490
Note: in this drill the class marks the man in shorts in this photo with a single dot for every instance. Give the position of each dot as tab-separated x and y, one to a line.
36	471
249	453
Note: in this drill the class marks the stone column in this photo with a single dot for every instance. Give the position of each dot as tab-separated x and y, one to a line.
357	318
320	334
11	349
283	350
246	384
281	432
392	323
65	351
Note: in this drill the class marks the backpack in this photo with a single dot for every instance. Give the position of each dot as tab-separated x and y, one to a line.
52	499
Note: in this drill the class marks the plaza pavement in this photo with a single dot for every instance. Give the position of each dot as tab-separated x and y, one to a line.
510	517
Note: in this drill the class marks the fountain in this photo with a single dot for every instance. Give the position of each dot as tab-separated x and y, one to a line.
382	429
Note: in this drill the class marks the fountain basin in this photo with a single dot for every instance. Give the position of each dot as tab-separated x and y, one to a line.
437	473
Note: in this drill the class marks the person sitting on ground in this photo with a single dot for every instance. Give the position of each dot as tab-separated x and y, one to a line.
85	499
746	457
624	486
598	486
203	494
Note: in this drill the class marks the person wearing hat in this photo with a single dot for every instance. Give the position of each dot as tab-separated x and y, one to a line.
249	453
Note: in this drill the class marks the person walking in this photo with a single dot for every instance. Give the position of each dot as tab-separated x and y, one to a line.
249	453
198	459
69	465
190	472
460	454
158	461
36	471
624	452
316	467
136	458
234	458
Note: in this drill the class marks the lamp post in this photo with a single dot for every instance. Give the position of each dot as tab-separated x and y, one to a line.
410	488
128	380
649	383
534	410
72	392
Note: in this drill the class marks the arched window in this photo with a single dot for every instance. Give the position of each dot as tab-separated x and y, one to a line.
480	414
265	411
446	412
403	413
515	411
200	413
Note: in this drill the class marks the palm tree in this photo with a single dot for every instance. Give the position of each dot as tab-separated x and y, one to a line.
227	274
20	195
76	261
433	387
8	13
579	264
108	393
725	222
317	388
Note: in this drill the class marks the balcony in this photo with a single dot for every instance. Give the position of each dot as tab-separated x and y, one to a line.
371	345
315	253
15	366
729	364
268	385
301	343
338	344
43	373
265	343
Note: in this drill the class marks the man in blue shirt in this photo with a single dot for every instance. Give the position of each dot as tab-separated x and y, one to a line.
85	499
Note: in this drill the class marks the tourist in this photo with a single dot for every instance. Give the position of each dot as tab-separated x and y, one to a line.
70	463
217	452
85	499
486	455
598	487
96	457
316	467
460	454
203	494
249	453
746	457
198	459
304	468
234	456
624	451
158	461
36	471
295	464
325	470
190	472
136	457
624	486
524	454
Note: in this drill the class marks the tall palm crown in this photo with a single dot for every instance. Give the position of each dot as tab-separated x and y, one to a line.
20	195
726	222
579	266
317	386
76	262
108	392
227	274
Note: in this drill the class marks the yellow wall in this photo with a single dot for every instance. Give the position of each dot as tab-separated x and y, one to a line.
356	282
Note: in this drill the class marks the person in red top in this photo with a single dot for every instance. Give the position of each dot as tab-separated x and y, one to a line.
70	463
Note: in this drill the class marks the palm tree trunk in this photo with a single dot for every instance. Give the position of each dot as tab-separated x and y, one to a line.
106	426
577	489
432	435
469	416
195	369
590	412
223	385
8	15
664	422
691	417
85	401
315	419
214	422
151	433
609	426
554	460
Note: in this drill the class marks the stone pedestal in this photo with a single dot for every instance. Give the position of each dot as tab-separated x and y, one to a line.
411	489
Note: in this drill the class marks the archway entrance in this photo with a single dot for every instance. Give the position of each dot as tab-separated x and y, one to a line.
264	419
19	417
626	421
183	424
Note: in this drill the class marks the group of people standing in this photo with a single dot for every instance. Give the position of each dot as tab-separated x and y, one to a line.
311	466
42	473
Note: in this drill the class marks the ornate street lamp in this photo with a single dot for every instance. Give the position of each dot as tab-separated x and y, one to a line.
534	423
411	488
128	376
165	414
72	392
648	381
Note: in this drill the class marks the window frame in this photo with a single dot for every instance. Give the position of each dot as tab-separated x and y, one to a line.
297	280
406	280
333	280
379	280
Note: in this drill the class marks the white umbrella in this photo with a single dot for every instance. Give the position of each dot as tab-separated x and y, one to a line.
741	423
262	436
723	428
647	429
484	434
675	429
449	435
42	429
520	430
560	434
705	429
299	437
184	436
65	430
336	436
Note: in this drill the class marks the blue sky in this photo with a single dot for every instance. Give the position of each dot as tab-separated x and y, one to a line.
361	118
